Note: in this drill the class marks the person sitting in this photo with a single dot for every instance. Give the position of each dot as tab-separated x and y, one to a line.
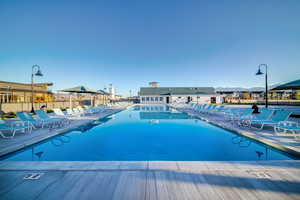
255	109
44	108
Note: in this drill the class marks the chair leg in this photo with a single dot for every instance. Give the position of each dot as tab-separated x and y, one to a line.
5	136
14	132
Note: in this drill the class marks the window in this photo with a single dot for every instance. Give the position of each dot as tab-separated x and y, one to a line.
161	98
147	98
156	98
152	99
143	98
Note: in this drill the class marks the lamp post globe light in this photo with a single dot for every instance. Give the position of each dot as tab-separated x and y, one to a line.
259	72
35	71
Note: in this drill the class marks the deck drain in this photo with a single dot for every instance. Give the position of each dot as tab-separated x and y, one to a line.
260	174
33	176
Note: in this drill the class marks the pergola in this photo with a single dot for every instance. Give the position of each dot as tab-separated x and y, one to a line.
80	90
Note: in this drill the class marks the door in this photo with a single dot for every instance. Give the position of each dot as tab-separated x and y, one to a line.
213	100
168	99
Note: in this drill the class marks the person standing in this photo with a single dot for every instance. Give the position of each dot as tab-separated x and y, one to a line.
255	109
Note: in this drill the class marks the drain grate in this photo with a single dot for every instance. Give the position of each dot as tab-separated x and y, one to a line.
260	174
33	176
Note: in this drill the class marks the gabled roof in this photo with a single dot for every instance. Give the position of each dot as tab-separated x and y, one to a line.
176	90
289	86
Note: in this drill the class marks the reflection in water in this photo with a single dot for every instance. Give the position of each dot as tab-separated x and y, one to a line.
60	140
84	128
259	154
163	115
155	108
104	120
152	121
241	141
159	112
244	142
39	154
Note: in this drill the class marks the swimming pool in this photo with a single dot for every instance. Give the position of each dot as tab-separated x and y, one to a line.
148	133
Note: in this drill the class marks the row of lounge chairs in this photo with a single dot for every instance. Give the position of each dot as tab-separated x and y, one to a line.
276	118
26	122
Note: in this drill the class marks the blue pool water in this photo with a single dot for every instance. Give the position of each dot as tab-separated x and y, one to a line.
148	133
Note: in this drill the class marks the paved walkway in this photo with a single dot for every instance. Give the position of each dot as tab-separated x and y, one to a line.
151	180
22	140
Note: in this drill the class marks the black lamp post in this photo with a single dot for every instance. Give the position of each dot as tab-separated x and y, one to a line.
35	71
259	72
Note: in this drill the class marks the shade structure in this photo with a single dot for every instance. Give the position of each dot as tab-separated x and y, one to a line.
102	92
80	90
293	85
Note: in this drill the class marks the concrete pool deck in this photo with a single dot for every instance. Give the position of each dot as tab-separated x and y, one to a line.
151	180
21	140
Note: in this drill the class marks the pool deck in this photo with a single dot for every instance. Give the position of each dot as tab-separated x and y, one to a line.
151	180
285	142
21	140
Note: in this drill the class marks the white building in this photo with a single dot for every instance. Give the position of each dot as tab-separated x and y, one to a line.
112	91
166	95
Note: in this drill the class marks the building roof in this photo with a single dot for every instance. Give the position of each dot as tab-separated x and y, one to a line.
289	86
176	91
25	87
239	89
28	84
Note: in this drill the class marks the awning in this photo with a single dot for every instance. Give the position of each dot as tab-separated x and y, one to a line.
293	85
80	89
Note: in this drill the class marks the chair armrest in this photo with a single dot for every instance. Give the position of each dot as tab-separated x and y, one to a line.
288	123
18	123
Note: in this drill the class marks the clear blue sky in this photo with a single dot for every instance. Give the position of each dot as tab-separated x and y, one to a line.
129	43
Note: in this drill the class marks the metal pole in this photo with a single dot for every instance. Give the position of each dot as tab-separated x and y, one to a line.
266	86
32	108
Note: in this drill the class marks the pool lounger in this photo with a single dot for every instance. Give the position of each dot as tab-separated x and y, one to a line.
13	128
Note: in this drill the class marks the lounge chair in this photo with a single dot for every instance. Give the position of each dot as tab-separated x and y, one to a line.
85	111
287	127
246	120
278	116
70	112
199	108
25	117
13	128
54	120
235	114
78	112
216	109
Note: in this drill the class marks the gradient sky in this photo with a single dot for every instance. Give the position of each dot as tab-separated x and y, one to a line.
129	43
